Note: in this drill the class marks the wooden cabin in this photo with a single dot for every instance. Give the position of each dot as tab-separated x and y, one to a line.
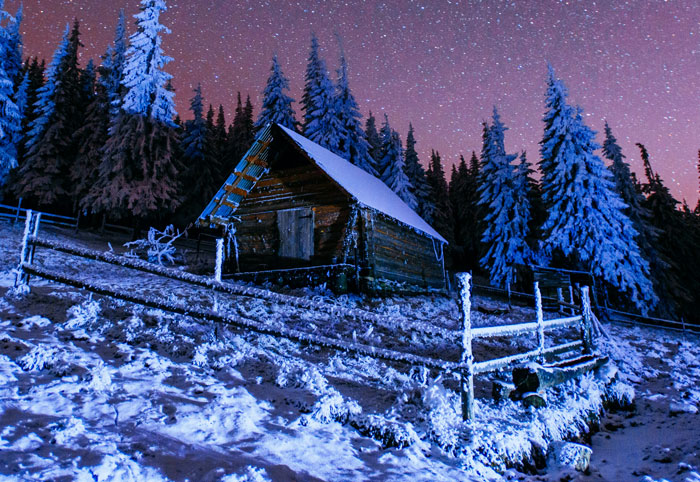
301	214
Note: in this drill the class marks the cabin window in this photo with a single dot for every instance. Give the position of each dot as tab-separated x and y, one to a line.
296	232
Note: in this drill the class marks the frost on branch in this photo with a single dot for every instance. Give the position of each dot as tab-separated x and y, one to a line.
157	247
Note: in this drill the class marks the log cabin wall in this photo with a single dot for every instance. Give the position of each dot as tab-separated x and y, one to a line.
399	253
299	186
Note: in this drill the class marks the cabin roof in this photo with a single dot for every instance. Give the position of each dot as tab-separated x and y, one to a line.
364	187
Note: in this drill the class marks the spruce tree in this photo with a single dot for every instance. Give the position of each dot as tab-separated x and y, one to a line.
416	178
442	217
276	104
220	137
353	143
199	165
321	122
10	116
44	177
374	140
12	51
113	66
586	222
393	174
139	179
674	244
503	197
242	132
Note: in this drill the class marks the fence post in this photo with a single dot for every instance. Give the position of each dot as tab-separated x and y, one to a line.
19	210
219	259
587	316
26	255
467	357
540	322
560	299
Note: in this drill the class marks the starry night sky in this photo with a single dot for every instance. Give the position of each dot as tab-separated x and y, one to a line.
440	64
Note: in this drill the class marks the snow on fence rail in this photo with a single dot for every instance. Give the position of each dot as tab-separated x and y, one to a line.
471	368
466	367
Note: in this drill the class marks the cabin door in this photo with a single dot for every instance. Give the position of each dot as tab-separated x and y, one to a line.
296	231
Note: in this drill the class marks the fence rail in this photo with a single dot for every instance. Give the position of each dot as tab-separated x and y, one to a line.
466	366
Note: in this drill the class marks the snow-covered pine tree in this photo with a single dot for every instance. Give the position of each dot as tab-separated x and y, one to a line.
136	178
503	197
44	176
12	56
321	122
443	218
416	178
374	140
88	77
630	191
113	66
353	145
10	118
276	105
393	174
585	222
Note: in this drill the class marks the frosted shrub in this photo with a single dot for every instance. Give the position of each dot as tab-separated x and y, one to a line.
40	357
297	375
84	314
157	247
443	418
333	407
252	474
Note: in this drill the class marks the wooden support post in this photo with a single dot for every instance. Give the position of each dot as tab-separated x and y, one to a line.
219	259
560	298
587	319
467	357
540	322
572	312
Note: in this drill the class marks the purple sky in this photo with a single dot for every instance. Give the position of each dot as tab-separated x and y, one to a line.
440	64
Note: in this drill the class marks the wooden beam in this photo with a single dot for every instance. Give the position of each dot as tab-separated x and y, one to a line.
236	190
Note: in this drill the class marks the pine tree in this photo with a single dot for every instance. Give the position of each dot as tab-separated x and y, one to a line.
585	219
12	55
393	174
674	244
44	176
374	140
199	164
321	122
276	104
10	116
220	137
148	92
630	191
416	178
442	217
138	178
353	145
242	132
503	197
113	66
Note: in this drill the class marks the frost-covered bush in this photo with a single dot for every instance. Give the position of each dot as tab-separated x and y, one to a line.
83	315
157	247
333	407
293	373
443	416
39	358
252	474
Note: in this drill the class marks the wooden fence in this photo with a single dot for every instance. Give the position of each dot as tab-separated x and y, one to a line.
466	366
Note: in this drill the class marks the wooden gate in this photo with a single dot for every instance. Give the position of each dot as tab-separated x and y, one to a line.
296	231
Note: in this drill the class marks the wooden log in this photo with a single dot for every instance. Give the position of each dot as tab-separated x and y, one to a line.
533	376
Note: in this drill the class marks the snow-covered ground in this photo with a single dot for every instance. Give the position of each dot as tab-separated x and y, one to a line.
96	389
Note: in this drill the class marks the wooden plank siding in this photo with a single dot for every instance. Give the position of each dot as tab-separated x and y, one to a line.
402	254
296	187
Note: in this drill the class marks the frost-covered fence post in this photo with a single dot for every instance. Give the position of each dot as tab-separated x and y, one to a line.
587	320
540	322
19	210
26	255
467	357
219	259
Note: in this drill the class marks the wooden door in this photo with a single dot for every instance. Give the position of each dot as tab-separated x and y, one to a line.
296	231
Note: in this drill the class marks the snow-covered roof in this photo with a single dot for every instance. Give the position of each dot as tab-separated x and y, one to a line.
364	187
